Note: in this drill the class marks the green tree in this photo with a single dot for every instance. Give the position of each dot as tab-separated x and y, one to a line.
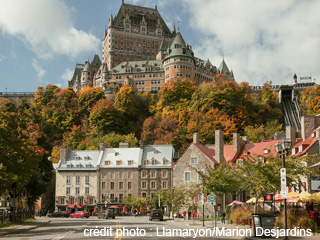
258	133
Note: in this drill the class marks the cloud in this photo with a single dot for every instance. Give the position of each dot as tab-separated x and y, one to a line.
46	27
40	71
66	76
260	40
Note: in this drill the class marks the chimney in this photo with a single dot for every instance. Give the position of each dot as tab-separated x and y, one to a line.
291	133
196	138
219	146
246	139
102	146
123	145
237	142
307	126
64	151
141	144
318	133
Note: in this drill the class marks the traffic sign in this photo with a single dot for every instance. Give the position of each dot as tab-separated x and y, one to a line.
283	182
212	198
284	192
268	198
282	172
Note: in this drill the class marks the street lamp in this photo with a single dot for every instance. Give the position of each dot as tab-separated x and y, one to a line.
172	201
283	149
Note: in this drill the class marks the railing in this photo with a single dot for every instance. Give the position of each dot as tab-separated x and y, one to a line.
19	215
16	93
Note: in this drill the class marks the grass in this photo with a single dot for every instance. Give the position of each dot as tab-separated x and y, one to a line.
8	224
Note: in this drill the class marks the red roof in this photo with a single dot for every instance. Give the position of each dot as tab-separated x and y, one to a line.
306	144
259	148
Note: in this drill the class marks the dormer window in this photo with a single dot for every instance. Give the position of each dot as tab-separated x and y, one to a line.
240	162
155	151
153	161
88	165
78	158
78	166
69	165
128	69
145	161
107	163
86	158
265	151
313	134
164	161
130	162
301	148
116	154
118	162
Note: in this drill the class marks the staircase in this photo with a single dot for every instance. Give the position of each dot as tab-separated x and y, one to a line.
290	107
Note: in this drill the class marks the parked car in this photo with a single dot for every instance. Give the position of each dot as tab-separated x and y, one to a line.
105	214
80	214
59	214
4	210
156	214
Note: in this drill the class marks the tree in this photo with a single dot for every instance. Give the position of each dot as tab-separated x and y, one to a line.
87	98
258	133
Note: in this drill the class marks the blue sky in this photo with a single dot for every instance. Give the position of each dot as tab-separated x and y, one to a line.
41	41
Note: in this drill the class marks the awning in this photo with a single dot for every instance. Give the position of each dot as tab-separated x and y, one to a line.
80	205
113	207
71	205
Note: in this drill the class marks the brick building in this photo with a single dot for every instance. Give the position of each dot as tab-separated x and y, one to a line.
138	49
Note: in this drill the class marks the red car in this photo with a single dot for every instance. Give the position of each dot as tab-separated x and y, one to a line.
80	214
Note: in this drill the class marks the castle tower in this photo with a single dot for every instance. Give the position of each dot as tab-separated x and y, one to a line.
134	34
223	69
87	76
179	61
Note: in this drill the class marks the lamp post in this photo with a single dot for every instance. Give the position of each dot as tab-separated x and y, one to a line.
283	149
172	201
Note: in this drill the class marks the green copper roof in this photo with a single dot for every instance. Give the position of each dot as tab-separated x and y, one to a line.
223	68
138	67
96	61
179	47
86	67
163	45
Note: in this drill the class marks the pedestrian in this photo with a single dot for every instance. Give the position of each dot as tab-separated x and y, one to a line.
223	216
38	212
184	214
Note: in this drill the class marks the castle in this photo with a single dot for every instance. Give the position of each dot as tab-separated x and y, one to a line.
139	49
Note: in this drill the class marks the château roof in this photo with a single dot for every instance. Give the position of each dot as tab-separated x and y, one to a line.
96	62
138	66
179	47
77	74
223	68
137	13
164	45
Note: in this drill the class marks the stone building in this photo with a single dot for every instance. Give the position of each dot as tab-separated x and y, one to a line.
76	180
141	51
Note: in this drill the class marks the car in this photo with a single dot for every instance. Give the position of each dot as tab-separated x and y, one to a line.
80	214
59	214
105	214
4	210
156	214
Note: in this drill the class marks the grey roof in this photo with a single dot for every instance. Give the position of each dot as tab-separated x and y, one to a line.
87	67
77	74
96	62
138	66
158	152
137	13
121	154
179	47
80	161
164	45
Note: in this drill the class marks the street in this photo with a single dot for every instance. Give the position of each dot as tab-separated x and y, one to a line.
136	227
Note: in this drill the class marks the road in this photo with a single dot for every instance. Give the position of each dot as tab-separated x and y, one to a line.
139	228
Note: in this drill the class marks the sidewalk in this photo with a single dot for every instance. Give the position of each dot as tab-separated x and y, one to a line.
27	226
208	224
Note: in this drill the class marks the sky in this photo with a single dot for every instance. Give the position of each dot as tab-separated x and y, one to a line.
266	40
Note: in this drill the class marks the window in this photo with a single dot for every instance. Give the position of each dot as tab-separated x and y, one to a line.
144	174
120	175
130	162
112	196
107	163
164	184
104	175
112	175
199	175
120	185
187	176
153	161
103	185
87	190
129	185
111	185
144	194
77	191
129	175
67	191
145	161
68	180
164	173
120	196
61	201
118	162
240	162
153	184
194	161
80	200
90	201
71	200
265	151
77	180
144	185
164	161
261	159
153	174
87	179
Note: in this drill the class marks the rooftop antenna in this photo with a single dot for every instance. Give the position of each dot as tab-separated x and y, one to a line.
156	5
178	26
